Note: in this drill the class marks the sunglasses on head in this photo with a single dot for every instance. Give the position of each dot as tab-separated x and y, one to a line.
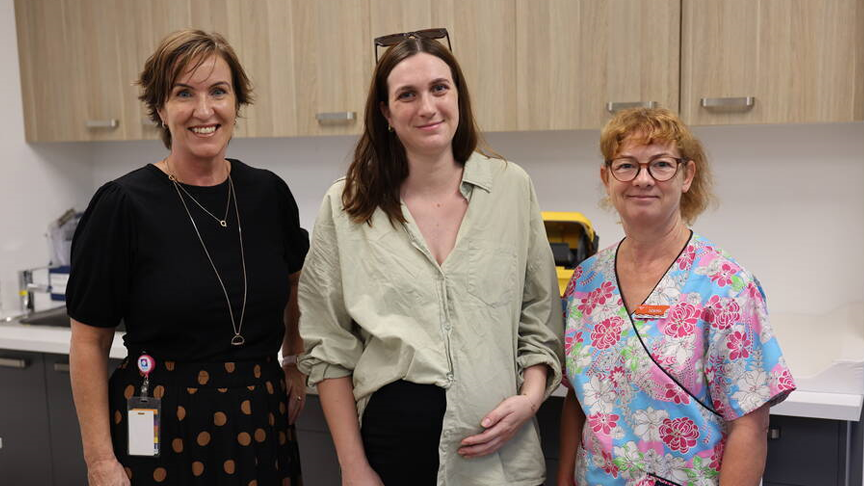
393	39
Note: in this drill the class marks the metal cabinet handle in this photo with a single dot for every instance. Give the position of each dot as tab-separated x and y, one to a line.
743	103
112	123
335	117
19	364
774	433
616	106
61	367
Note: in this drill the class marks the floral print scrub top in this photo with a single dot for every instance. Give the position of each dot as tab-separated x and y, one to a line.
658	386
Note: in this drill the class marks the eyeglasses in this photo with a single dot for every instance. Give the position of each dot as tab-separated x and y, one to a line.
393	39
661	169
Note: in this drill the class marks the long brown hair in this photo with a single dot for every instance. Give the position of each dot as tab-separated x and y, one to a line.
380	164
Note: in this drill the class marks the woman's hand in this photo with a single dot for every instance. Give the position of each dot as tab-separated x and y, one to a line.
107	472
361	476
295	387
501	425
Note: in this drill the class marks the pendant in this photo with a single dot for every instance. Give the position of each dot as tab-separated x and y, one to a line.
238	340
223	223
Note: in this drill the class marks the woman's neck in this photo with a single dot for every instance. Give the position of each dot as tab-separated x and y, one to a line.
432	175
648	244
197	171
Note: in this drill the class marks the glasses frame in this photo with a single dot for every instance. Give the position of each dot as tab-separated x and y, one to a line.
393	39
647	166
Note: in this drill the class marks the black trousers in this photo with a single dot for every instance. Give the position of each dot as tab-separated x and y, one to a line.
401	432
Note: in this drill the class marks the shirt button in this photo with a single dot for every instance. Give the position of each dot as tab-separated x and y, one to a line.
450	376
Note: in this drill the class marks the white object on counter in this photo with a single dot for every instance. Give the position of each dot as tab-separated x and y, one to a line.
44	339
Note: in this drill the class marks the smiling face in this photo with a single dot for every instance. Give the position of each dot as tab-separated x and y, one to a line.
644	200
201	109
422	105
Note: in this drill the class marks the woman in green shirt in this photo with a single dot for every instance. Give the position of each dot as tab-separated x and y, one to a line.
429	300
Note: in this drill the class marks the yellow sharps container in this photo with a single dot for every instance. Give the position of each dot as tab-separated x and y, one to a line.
572	239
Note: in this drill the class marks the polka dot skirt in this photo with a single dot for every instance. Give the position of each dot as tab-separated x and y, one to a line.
222	424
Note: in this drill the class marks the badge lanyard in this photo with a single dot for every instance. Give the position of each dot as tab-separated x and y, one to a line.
143	414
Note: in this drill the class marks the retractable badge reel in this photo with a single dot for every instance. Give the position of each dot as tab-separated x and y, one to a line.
144	413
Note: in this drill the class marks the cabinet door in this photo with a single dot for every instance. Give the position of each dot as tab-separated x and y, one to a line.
575	57
25	452
481	34
332	61
806	452
796	58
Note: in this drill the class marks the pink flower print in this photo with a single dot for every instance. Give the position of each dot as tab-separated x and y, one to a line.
682	320
675	394
570	286
687	258
587	304
754	292
617	376
717	455
721	315
723	277
609	464
577	274
607	333
679	434
646	481
572	339
739	344
603	423
784	381
605	292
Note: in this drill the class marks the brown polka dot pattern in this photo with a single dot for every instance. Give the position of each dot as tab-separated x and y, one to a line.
229	367
271	419
253	483
220	419
282	438
228	466
118	417
169	365
269	386
282	408
244	439
159	474
203	438
246	407
181	413
203	377
177	445
129	391
222	390
191	391
197	468
251	387
159	391
257	371
260	435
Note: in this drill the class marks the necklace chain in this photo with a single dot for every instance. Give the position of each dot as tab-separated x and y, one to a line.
222	222
238	339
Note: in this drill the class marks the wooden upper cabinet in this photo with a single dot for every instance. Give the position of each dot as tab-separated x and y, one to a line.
798	61
576	57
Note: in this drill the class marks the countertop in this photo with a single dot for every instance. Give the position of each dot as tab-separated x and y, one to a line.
833	405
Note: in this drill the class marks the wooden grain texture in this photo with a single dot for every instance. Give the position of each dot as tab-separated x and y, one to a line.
575	56
792	55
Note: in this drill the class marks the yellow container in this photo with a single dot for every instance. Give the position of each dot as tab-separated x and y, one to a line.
576	231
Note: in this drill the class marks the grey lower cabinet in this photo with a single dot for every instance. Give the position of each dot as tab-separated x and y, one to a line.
25	452
41	443
811	452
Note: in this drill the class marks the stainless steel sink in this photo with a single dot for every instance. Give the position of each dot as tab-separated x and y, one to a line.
51	317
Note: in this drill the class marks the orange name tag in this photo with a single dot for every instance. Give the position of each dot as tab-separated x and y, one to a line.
651	311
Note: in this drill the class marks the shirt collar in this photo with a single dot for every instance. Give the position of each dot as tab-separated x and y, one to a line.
477	172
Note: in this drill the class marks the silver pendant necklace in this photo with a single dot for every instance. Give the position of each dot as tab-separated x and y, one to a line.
237	326
222	222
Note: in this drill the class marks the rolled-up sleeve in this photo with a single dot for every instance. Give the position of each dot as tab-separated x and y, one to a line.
541	320
331	348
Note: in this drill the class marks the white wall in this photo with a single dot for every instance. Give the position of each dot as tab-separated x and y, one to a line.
37	183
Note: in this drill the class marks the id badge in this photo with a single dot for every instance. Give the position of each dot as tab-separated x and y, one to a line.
144	415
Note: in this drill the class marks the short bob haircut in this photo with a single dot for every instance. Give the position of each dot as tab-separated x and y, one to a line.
649	125
181	51
380	164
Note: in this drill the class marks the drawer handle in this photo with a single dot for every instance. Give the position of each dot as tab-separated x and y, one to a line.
335	117
773	433
616	106
112	123
744	103
18	364
61	367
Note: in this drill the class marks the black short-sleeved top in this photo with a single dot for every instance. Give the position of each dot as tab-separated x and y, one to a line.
136	257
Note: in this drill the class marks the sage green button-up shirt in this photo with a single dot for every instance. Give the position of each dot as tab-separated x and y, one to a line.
376	306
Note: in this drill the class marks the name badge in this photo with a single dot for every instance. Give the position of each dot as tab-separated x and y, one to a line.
143	423
651	311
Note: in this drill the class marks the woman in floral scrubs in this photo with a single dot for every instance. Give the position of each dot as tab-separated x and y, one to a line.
670	357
